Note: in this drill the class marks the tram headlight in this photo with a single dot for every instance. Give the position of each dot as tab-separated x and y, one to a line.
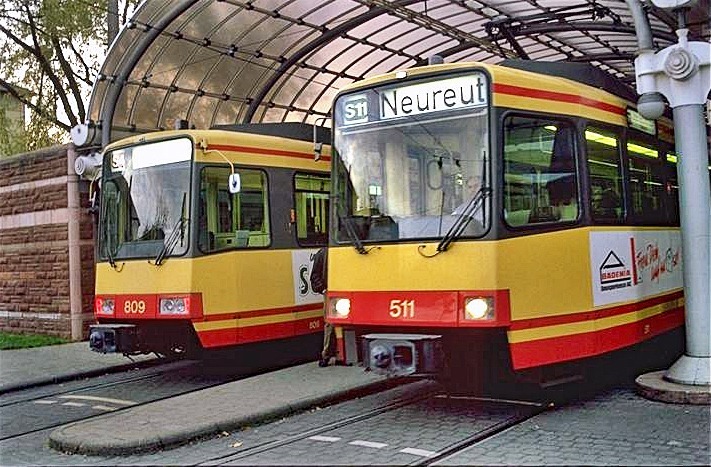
339	307
174	306
104	306
478	308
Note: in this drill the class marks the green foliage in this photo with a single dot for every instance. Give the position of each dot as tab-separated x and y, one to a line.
52	50
22	341
12	134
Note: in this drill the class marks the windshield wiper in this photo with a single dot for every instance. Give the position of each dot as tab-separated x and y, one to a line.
350	229
109	255
105	234
178	232
464	218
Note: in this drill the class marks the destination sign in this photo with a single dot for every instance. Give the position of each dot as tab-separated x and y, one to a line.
411	99
151	154
434	96
637	121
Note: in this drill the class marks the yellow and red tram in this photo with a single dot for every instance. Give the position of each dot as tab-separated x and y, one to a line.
206	238
568	247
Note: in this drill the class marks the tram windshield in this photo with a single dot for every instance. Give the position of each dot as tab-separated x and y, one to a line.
414	175
145	201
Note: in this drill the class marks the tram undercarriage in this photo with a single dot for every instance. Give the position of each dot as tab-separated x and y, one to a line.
478	361
133	338
463	358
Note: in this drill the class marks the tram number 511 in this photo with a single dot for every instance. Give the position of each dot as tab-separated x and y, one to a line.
402	308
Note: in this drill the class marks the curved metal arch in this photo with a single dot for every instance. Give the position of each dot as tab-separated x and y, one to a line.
588	26
181	69
315	44
236	76
110	77
209	72
277	87
548	28
126	67
605	57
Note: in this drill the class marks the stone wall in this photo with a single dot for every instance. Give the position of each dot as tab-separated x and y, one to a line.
43	217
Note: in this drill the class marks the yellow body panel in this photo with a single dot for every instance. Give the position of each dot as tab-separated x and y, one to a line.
230	282
524	335
547	274
530	266
247	322
562	108
262	143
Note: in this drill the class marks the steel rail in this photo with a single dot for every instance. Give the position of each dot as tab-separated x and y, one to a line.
531	409
94	386
251	451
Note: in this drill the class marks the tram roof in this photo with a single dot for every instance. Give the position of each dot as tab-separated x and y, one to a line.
230	62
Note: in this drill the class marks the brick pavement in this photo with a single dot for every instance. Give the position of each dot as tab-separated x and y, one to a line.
617	427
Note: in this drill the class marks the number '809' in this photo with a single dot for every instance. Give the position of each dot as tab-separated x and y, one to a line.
133	307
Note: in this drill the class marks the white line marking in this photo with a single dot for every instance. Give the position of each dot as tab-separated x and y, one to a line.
46	401
487	399
99	399
328	439
368	444
103	407
73	404
418	452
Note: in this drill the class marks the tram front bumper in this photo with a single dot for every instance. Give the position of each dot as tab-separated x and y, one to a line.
112	338
403	354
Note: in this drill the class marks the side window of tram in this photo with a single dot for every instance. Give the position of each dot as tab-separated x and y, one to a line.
647	187
603	153
540	176
311	212
226	220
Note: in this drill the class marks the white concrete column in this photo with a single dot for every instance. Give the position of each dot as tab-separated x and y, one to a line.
73	240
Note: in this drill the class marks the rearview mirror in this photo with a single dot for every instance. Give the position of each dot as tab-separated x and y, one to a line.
234	183
318	145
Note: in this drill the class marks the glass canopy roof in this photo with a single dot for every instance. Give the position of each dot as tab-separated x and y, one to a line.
213	62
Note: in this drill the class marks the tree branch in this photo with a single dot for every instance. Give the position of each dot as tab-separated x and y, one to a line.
124	16
17	40
88	73
69	74
48	70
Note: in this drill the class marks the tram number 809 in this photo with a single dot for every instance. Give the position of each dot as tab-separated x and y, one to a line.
133	307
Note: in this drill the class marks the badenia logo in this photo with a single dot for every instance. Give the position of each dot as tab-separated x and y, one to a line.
614	274
434	96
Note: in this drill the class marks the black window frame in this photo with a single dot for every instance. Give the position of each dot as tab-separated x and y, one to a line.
622	172
265	215
326	176
574	141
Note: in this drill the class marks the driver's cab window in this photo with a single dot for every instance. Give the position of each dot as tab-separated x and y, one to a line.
112	235
540	176
227	220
